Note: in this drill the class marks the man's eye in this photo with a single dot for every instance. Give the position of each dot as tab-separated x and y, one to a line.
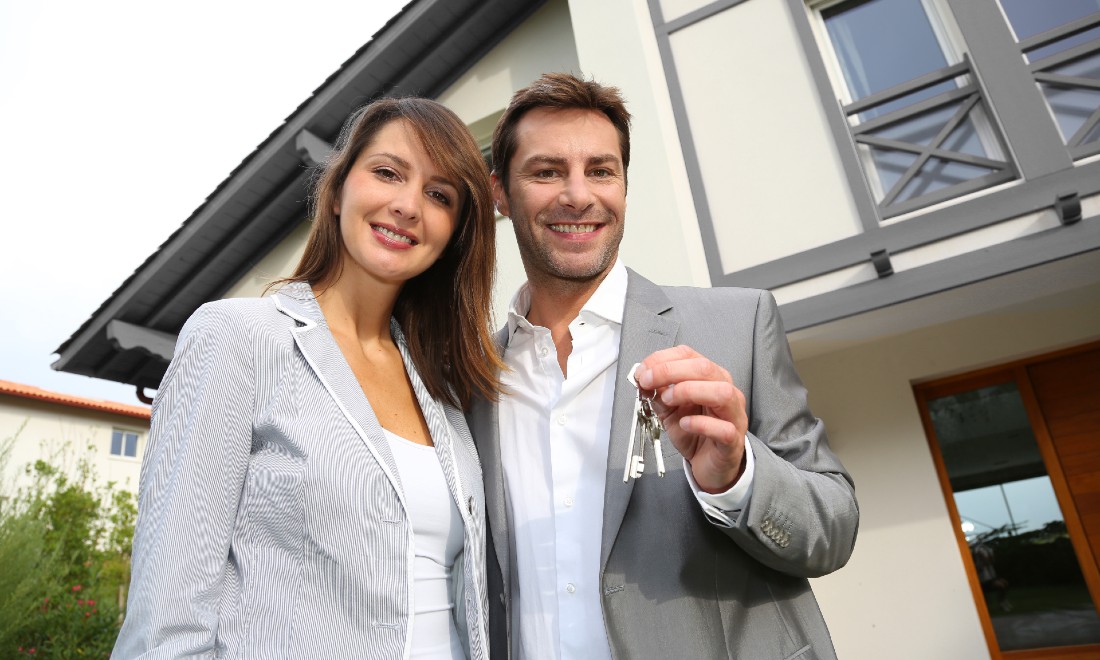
546	174
601	172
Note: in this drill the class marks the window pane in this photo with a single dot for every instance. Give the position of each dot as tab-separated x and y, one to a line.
883	43
1073	106
131	444
1032	17
1031	580
116	443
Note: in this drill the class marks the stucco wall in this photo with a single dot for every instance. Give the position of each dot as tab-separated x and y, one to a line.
907	574
63	435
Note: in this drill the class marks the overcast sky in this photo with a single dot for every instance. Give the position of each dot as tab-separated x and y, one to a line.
119	117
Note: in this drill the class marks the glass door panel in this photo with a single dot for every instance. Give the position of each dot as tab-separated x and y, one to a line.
1031	581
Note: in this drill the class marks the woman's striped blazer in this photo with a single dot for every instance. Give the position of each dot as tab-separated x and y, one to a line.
271	519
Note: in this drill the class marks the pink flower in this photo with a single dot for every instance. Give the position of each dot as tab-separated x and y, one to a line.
91	602
79	602
77	587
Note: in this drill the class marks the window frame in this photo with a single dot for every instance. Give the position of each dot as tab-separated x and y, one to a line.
138	434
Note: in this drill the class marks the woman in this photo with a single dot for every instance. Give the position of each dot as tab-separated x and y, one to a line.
310	487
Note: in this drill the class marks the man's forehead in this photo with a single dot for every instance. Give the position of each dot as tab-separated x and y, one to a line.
574	131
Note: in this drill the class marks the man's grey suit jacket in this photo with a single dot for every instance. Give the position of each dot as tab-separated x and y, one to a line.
674	582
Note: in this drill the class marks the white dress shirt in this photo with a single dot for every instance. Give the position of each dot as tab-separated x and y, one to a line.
554	437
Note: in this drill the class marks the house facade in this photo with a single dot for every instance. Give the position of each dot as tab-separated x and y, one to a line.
916	181
63	430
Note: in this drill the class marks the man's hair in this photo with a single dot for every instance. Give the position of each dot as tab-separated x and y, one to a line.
444	311
558	91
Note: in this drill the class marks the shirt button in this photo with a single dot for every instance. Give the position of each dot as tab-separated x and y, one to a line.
544	351
568	501
570	588
561	420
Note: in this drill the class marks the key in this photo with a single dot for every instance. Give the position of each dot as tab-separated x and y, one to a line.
653	433
633	467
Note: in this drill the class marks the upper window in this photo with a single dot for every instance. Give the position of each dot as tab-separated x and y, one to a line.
124	443
1061	44
915	113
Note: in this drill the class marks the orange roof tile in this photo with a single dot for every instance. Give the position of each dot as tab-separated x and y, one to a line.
31	392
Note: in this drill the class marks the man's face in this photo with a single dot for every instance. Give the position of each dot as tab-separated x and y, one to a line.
566	195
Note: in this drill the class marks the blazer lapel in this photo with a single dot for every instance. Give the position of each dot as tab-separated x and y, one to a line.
485	427
644	331
321	351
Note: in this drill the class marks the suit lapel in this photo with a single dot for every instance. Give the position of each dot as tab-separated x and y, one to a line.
644	331
321	351
485	427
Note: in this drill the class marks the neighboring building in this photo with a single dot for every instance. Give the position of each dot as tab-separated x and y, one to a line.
63	430
917	181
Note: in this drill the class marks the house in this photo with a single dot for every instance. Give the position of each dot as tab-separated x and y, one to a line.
62	429
917	182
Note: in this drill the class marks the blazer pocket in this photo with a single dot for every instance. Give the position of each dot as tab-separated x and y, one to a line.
271	511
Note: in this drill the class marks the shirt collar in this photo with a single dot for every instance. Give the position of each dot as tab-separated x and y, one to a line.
607	302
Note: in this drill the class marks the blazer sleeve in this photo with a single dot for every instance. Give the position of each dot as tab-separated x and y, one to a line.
802	516
191	480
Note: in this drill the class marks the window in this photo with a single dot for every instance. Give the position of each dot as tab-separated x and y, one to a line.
124	443
1016	454
1060	42
913	107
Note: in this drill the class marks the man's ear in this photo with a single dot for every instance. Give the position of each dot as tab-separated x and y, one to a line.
499	198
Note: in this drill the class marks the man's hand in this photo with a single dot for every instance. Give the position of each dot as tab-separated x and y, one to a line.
703	412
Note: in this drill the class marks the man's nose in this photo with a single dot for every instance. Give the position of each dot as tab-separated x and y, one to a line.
576	194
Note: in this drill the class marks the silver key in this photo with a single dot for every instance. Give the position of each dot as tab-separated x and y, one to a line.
634	464
645	418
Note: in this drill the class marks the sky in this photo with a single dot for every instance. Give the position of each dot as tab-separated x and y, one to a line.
119	117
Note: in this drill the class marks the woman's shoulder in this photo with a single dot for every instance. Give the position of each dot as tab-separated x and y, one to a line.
236	316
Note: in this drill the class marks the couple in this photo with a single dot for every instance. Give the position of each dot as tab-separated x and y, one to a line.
312	489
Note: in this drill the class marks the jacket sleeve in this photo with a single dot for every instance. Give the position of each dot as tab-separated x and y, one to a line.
191	480
802	516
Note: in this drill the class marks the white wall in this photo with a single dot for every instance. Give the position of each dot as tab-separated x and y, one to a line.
907	574
773	178
62	435
616	46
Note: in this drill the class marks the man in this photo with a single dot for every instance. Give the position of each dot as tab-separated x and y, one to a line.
712	559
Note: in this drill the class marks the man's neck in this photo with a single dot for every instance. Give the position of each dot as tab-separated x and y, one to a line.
555	304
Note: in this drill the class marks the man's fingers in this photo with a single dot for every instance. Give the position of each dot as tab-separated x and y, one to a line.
656	373
719	430
721	397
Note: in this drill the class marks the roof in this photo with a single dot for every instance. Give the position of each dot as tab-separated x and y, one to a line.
421	50
39	394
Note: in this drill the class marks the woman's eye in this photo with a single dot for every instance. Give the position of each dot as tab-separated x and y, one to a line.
385	173
440	197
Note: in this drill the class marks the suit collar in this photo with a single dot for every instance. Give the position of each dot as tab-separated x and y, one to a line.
647	327
485	427
324	356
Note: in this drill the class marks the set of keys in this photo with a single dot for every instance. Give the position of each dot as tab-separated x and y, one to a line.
651	428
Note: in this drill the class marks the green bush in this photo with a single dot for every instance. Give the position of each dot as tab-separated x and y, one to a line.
65	551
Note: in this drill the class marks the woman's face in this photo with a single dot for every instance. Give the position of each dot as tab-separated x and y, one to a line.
396	208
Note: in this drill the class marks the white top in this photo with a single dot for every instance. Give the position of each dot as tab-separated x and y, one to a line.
437	530
554	438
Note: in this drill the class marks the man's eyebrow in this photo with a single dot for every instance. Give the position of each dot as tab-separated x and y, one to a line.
542	159
604	158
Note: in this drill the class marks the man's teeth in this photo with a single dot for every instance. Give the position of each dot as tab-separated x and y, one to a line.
574	229
395	236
